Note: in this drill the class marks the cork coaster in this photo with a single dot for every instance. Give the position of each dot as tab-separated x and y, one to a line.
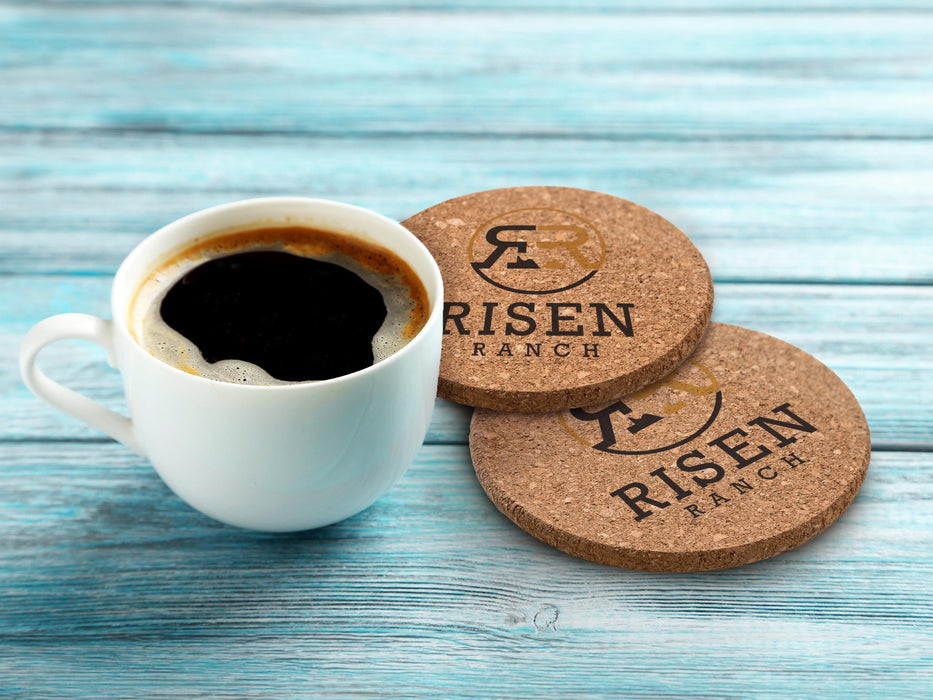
748	449
558	297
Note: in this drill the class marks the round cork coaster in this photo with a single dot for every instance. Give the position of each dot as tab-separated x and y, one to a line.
558	297
749	448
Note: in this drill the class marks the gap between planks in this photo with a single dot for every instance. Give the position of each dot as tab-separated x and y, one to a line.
440	442
503	135
841	282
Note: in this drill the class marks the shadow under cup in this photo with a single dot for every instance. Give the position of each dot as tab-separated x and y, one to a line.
285	457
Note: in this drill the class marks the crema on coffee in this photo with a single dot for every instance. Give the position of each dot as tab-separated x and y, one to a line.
277	306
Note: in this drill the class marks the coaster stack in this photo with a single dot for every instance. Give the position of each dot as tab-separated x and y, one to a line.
604	426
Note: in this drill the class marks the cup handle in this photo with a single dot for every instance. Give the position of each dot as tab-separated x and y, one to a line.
75	327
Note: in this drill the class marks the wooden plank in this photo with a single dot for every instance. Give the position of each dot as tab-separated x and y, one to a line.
799	211
739	76
102	567
878	339
461	6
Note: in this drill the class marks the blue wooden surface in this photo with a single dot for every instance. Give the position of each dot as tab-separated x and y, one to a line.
792	141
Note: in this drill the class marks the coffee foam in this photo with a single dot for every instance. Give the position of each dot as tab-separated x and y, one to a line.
402	292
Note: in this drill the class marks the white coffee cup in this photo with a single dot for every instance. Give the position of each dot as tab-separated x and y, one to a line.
274	458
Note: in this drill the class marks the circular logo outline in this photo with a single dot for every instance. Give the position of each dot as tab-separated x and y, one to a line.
717	407
484	227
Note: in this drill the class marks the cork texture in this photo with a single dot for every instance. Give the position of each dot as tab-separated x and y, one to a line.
558	297
748	449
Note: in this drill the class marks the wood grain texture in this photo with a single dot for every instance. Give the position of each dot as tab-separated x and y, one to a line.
102	568
195	70
793	141
683	7
842	211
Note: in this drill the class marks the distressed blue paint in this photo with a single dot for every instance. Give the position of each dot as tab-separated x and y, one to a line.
121	572
602	7
736	76
792	141
844	211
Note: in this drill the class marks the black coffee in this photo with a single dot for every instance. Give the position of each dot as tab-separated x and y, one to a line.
278	305
295	317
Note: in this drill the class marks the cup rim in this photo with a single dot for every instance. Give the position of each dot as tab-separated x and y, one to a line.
433	320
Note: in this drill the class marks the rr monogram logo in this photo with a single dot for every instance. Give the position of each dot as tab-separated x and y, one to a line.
558	251
687	401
